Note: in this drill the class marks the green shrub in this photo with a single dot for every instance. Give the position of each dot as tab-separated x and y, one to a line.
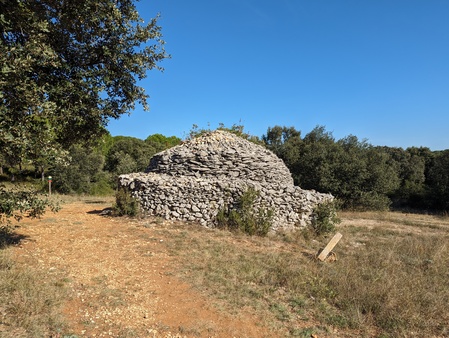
18	202
82	174
245	216
125	204
102	186
370	201
325	218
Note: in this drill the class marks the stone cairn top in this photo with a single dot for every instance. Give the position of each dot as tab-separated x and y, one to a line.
222	155
194	180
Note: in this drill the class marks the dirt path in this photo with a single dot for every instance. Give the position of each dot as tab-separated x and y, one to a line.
121	278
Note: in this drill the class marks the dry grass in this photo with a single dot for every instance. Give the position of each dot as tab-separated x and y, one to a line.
29	301
391	279
67	199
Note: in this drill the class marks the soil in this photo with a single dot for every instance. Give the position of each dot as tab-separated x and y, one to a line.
121	278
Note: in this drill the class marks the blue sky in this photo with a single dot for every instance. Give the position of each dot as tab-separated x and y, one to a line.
375	69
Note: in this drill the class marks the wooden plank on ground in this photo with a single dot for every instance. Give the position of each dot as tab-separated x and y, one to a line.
332	243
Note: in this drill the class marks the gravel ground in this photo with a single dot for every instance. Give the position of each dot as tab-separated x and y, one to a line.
121	278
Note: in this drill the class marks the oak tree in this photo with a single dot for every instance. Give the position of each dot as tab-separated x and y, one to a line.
67	67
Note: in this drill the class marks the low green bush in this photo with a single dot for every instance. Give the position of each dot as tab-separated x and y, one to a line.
372	201
245	216
126	204
325	218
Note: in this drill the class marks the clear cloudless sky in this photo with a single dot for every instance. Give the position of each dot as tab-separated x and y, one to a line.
376	69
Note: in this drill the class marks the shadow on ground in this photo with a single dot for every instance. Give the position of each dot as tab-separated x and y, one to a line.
101	212
8	237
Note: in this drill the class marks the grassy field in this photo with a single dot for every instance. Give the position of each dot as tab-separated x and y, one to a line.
390	279
30	301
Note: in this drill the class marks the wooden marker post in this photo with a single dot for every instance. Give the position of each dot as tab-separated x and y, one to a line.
332	243
49	185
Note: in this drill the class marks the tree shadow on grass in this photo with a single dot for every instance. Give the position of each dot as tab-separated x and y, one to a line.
8	237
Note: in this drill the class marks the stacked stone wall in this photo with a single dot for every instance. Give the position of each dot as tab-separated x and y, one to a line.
193	181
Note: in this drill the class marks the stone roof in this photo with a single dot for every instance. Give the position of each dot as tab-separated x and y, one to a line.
222	154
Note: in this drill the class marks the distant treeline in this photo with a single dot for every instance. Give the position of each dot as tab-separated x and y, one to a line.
360	175
88	168
363	176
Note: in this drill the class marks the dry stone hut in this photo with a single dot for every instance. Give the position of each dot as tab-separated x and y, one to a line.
194	180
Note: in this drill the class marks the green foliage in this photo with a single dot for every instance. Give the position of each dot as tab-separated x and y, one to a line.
18	203
160	142
246	216
104	143
411	169
101	185
128	154
126	204
370	200
350	169
361	176
66	69
82	174
286	143
438	179
277	136
325	218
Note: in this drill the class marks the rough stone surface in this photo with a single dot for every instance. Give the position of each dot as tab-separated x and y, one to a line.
193	181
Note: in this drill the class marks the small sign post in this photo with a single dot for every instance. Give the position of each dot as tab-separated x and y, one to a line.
332	243
49	185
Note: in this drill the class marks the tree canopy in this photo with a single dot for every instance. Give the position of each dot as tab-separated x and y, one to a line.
67	67
360	175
